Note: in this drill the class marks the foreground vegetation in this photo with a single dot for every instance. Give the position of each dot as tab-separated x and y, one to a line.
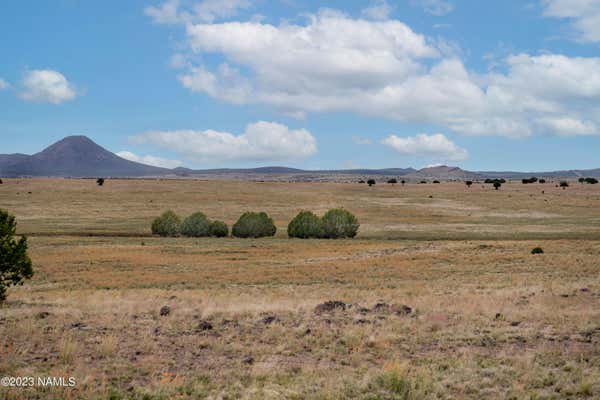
135	316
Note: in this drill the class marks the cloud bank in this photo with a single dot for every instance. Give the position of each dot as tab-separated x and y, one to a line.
261	141
435	146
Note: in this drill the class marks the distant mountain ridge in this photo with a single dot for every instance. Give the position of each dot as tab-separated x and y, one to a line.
74	156
80	157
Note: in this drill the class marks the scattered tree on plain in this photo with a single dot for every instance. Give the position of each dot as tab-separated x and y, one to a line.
371	182
591	181
564	184
339	223
403	182
305	225
392	181
100	181
168	224
196	225
468	183
581	180
253	225
542	181
497	185
15	264
218	229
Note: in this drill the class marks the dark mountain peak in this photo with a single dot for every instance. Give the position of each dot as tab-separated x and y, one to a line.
77	156
79	147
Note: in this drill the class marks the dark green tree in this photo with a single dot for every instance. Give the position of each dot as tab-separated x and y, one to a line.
371	182
339	223
168	224
305	225
468	183
497	185
218	229
253	225
100	181
196	225
15	264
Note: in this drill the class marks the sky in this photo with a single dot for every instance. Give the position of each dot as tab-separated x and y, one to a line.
484	85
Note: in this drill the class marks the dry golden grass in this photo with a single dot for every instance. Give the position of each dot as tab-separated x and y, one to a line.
489	320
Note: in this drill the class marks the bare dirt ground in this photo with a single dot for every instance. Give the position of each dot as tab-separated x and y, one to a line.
438	296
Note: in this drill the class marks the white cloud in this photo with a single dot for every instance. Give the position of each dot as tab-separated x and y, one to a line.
165	13
150	160
261	141
584	14
334	63
566	126
378	10
436	146
47	86
210	10
362	141
176	11
434	7
3	84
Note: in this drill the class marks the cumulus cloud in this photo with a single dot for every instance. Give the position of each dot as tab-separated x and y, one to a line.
3	84
434	146
261	141
150	160
584	14
336	63
47	86
379	9
434	7
176	11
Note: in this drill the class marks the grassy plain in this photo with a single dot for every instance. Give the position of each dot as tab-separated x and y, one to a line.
488	319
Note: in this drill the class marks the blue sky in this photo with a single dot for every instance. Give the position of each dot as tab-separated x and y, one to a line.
312	84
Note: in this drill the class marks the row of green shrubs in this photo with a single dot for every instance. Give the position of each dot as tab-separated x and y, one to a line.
336	223
196	225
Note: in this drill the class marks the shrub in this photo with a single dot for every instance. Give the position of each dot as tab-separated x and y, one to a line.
361	181
305	225
533	179
403	182
196	225
253	225
100	181
537	250
168	224
542	181
488	180
436	181
393	181
564	184
371	182
15	264
218	229
339	223
591	181
581	180
1	182
469	183
497	185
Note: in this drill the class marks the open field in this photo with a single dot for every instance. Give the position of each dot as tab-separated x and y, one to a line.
487	319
